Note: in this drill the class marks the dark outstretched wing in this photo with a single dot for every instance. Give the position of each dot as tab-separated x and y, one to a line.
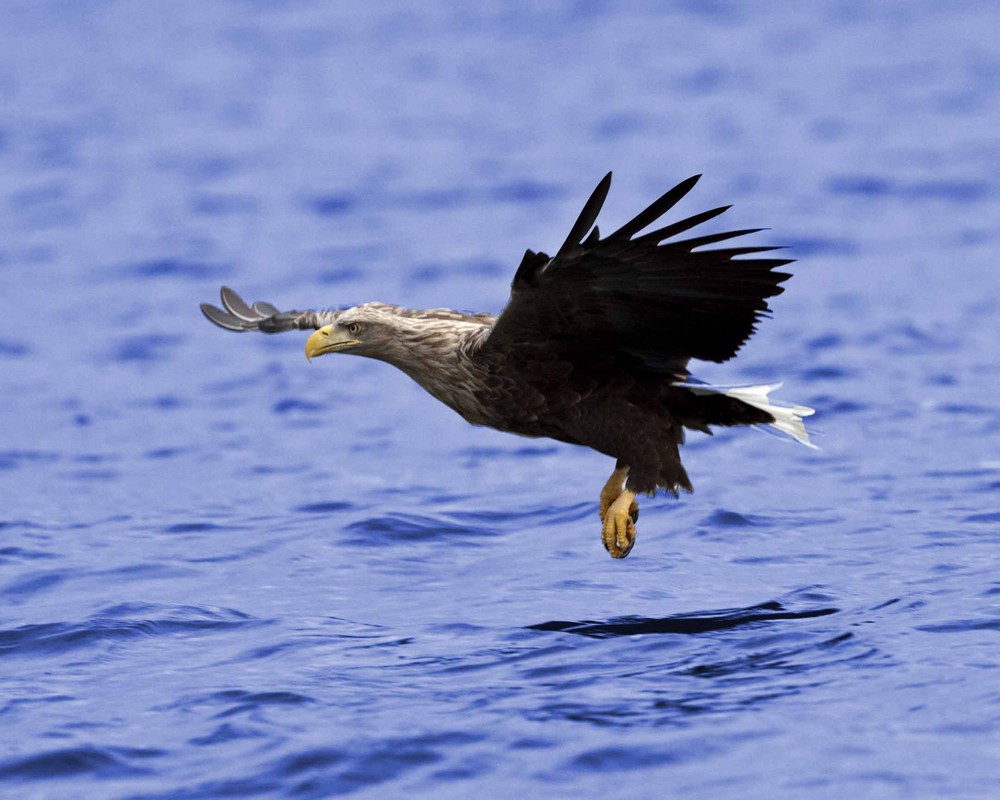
261	316
653	302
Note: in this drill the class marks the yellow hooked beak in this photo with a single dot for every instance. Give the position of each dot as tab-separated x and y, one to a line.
327	340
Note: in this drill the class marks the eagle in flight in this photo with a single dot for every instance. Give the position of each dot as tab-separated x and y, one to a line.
592	348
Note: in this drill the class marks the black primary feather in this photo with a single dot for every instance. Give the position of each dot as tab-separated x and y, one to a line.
587	218
655	210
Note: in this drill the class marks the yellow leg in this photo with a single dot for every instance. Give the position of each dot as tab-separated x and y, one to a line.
614	487
618	533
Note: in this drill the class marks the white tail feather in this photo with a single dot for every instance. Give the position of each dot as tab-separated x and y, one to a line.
787	419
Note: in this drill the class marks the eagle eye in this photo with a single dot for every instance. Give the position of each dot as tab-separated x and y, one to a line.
354	328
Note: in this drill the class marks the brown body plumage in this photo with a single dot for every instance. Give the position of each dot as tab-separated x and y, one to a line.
592	349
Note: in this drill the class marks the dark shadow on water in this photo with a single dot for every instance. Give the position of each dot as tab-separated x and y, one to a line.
118	624
697	622
174	268
954	191
101	762
408	528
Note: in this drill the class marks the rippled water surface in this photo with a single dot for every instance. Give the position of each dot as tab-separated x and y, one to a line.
227	572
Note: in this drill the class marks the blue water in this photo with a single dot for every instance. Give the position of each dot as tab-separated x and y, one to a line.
225	572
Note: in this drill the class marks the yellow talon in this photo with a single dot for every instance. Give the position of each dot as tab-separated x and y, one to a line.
618	533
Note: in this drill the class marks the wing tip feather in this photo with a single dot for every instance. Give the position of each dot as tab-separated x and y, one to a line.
656	209
588	216
221	318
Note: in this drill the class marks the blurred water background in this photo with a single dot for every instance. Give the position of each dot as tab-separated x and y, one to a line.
225	572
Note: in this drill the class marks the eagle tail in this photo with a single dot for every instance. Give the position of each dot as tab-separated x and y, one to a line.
787	419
